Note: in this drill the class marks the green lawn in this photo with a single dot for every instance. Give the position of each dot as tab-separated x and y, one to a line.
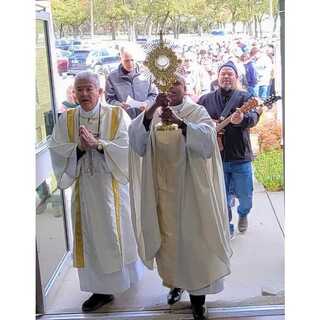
268	170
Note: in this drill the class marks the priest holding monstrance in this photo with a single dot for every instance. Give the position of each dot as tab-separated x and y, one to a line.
177	193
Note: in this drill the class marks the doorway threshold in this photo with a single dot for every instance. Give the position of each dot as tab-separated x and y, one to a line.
270	310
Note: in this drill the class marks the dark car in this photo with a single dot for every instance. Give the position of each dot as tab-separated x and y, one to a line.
103	60
63	44
218	33
78	61
141	39
110	64
68	44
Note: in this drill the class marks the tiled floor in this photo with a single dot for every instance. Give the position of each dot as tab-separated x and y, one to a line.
257	271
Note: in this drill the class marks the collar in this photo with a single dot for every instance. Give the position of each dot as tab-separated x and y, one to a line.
124	73
226	93
180	106
90	114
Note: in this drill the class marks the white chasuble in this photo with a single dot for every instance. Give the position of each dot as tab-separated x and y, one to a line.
180	218
104	247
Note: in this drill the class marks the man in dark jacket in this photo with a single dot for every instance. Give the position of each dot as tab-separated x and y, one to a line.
236	150
251	75
129	80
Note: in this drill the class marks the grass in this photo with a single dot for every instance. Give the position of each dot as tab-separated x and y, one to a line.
268	170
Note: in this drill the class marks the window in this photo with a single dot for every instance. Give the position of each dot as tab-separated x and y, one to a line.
44	115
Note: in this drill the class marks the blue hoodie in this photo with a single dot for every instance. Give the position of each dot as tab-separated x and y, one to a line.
251	74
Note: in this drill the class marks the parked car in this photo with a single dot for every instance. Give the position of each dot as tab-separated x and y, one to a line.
62	44
141	39
78	61
103	60
68	44
111	63
62	61
217	32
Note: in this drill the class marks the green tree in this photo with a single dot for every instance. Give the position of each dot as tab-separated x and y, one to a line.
275	13
69	13
108	14
237	9
261	8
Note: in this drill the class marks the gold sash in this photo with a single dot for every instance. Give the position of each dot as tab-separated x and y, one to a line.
78	261
78	242
115	184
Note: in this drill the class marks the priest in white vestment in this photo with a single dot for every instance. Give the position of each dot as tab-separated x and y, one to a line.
178	200
89	151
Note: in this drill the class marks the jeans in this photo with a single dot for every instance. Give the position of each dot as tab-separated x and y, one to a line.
253	91
263	92
239	183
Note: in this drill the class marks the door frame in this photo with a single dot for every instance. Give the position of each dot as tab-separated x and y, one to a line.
43	168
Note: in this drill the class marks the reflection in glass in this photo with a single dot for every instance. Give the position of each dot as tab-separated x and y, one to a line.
44	115
51	242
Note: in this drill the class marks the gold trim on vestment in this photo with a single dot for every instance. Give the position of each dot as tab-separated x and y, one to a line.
114	122
115	184
70	124
78	261
116	196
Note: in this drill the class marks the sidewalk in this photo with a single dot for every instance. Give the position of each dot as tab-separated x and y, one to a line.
257	276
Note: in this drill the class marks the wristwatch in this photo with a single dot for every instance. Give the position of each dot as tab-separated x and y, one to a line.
100	146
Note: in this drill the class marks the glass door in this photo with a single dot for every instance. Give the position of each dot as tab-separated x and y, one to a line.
51	232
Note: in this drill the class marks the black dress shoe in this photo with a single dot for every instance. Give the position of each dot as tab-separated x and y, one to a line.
96	301
174	295
200	313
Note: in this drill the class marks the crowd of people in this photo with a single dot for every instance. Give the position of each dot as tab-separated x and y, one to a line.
146	196
254	61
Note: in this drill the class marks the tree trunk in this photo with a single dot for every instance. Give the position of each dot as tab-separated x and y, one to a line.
132	32
234	27
149	33
127	24
176	28
147	25
275	19
61	30
200	30
260	27
255	27
250	29
157	28
113	30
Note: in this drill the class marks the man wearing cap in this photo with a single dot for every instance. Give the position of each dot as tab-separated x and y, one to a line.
235	144
181	219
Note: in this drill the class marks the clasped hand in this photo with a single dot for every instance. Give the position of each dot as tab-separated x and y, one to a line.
87	139
167	115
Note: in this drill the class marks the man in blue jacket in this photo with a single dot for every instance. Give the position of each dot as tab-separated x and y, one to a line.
236	152
129	80
251	75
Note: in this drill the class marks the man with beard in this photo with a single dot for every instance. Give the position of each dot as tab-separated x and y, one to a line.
177	195
235	146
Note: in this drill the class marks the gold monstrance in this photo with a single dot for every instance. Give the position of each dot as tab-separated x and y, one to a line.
163	63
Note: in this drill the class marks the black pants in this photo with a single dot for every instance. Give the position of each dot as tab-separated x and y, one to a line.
197	301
